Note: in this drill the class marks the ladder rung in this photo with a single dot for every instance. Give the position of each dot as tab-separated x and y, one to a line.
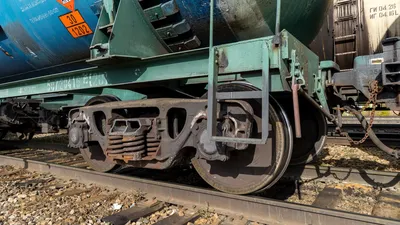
346	38
346	53
239	95
393	74
344	2
105	27
345	18
252	141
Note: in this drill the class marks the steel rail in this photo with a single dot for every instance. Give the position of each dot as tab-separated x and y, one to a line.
374	178
253	208
38	145
382	179
389	120
337	140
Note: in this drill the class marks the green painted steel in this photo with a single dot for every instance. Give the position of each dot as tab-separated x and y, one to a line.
59	101
124	32
321	81
213	70
244	58
70	100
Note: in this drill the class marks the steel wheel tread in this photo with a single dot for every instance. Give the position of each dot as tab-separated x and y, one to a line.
314	129
3	134
94	154
251	176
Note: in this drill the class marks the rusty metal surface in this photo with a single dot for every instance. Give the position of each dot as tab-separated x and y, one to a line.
161	148
296	109
254	208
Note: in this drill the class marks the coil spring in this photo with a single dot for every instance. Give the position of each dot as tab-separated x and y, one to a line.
132	145
120	144
152	144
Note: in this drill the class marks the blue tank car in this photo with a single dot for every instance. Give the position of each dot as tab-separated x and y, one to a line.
36	34
32	36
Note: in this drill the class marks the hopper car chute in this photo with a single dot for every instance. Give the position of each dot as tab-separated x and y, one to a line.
155	83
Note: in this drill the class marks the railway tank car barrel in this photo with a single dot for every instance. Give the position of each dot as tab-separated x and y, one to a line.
180	23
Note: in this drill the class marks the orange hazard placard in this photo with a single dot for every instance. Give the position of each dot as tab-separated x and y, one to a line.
75	24
72	19
69	4
80	30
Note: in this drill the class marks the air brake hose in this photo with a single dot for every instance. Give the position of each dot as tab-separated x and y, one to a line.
371	133
362	120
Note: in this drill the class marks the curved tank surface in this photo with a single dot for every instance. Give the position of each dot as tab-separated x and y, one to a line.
34	34
242	20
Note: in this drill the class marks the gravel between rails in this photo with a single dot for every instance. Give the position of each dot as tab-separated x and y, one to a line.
174	193
48	200
370	158
355	198
39	198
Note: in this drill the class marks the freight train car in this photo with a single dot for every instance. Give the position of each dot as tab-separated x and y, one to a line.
229	87
356	28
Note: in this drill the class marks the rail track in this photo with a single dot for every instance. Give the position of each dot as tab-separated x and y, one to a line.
268	208
250	208
386	128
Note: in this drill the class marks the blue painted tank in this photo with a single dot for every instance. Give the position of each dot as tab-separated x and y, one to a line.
34	34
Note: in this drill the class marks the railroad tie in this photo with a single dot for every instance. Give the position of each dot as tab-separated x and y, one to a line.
388	206
176	219
328	198
33	182
133	214
236	220
9	173
46	157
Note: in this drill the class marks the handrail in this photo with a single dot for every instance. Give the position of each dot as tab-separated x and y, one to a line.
277	40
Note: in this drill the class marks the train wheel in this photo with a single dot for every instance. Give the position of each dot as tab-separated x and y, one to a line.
258	167
314	130
25	136
93	154
3	134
